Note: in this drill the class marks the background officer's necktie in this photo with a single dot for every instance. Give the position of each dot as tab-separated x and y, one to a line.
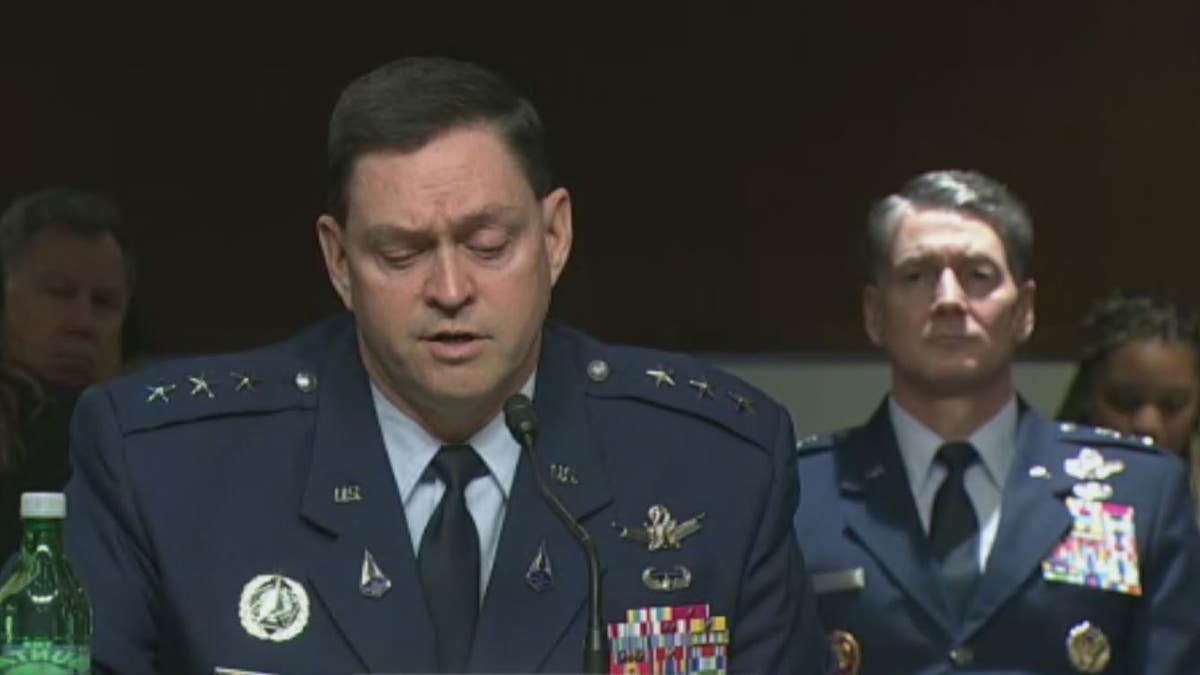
954	528
448	559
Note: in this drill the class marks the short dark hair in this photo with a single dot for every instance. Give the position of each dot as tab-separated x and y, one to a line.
405	104
1116	320
78	212
967	192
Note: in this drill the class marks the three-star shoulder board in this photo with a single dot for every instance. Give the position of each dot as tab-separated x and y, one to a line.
1093	435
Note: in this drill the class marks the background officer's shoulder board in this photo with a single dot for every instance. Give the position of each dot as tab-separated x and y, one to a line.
1084	434
194	389
815	443
685	385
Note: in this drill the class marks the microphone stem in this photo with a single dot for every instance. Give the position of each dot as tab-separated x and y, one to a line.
595	647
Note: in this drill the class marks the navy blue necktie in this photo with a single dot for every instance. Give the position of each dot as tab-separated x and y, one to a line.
954	527
448	560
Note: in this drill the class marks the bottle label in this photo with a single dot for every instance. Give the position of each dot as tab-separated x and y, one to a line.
30	658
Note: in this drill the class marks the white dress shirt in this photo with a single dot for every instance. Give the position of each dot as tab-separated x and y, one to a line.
996	443
410	450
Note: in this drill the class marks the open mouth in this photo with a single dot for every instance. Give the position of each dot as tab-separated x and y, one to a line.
453	337
454	345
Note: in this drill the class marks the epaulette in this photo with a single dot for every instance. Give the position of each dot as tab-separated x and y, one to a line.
1085	434
191	389
684	384
814	443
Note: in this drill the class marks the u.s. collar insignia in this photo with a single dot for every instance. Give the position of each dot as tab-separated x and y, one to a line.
1088	648
1091	465
273	607
662	533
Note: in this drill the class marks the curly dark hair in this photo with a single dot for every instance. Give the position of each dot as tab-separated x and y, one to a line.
1119	319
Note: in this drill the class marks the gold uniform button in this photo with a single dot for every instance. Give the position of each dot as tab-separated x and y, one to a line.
962	656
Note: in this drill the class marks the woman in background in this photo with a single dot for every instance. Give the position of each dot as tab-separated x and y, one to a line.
1139	373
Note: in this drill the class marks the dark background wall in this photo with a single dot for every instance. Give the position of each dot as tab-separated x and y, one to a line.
721	158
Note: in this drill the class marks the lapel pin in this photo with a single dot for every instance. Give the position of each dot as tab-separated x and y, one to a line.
677	579
372	583
563	474
345	494
160	392
662	533
540	575
1039	471
273	607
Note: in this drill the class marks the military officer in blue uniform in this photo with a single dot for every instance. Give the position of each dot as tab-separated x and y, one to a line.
351	500
964	532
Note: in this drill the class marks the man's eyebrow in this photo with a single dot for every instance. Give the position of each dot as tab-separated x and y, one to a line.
384	233
486	215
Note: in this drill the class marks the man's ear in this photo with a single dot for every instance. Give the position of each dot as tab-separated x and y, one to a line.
331	235
1026	309
872	308
556	215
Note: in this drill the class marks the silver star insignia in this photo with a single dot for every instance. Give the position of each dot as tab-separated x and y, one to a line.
742	403
200	386
244	382
703	388
662	376
159	393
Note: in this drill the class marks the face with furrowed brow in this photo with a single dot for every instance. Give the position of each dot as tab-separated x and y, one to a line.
447	259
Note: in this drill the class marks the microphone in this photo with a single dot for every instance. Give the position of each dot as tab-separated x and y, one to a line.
522	422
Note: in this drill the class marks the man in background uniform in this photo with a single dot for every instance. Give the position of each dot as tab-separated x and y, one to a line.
351	500
963	531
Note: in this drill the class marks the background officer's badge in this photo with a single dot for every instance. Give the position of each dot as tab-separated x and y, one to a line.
662	533
1089	464
273	607
846	652
1088	648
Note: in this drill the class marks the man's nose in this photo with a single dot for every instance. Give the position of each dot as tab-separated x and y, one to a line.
948	292
449	285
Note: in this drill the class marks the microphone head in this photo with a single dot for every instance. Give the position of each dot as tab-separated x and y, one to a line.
521	419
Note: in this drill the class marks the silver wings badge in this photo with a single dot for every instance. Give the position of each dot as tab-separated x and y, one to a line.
662	532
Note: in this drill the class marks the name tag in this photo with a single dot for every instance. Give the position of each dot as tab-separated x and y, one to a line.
1100	551
844	580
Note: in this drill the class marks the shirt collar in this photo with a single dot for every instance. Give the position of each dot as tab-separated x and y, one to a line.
995	441
415	447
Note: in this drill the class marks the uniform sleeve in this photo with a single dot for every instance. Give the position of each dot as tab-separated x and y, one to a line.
1166	638
778	630
107	543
